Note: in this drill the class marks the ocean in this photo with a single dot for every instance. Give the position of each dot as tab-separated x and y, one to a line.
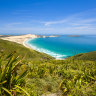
64	46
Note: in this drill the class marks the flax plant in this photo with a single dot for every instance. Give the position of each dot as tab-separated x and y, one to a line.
10	81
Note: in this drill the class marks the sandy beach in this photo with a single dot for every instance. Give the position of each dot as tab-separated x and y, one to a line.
20	39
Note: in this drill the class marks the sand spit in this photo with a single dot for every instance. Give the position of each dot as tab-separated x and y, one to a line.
21	38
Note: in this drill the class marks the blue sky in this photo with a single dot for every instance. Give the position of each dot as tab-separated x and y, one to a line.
48	16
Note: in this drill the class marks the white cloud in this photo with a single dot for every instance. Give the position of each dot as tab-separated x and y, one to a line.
74	21
13	24
81	18
54	22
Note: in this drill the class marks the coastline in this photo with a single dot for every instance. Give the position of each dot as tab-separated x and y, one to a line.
21	39
26	45
29	46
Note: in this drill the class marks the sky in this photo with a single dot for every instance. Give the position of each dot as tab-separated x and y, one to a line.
48	17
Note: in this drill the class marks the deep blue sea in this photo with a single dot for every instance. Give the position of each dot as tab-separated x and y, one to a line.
64	46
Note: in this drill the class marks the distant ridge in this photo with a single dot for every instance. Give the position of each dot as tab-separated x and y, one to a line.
85	56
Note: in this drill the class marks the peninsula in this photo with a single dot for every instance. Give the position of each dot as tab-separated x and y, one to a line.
22	38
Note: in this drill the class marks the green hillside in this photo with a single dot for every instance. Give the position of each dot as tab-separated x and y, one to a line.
85	56
9	47
40	74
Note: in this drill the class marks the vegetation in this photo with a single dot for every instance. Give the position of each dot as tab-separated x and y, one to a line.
85	56
10	82
45	75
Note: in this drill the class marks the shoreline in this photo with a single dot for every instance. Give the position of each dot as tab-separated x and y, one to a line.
26	45
29	46
21	39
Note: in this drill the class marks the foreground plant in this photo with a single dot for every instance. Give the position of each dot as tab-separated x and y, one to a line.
10	81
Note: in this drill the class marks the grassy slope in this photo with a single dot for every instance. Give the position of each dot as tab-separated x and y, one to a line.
68	77
86	56
9	47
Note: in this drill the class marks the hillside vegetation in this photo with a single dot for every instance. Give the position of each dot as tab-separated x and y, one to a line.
45	75
85	56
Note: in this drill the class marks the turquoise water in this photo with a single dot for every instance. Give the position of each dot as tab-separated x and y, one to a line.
64	46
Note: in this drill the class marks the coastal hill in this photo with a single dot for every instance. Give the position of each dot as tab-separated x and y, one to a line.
8	47
85	56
